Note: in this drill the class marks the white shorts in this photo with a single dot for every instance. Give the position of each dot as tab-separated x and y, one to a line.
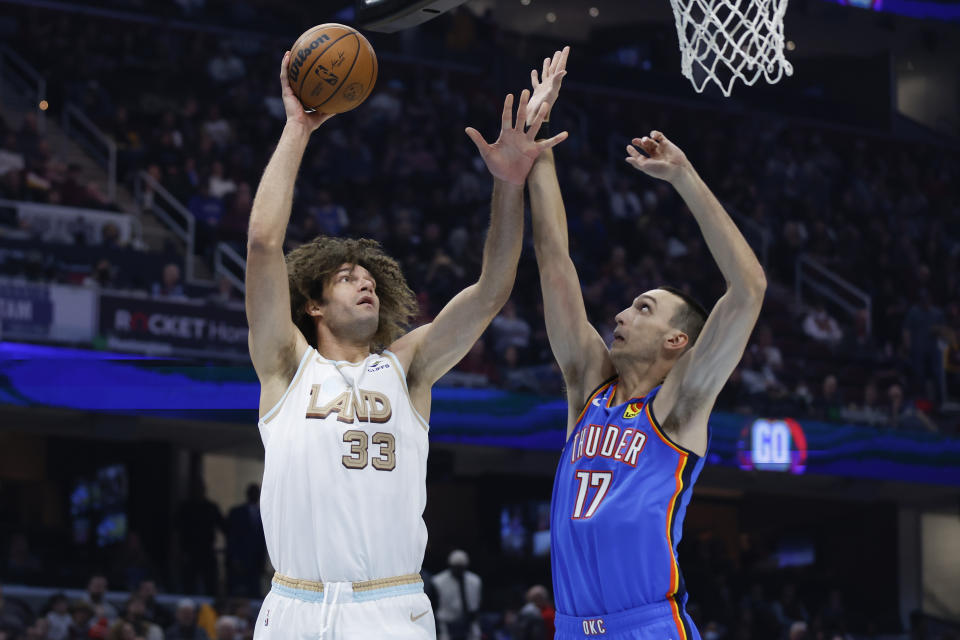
388	608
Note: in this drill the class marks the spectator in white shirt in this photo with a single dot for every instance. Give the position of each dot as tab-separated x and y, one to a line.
456	586
821	326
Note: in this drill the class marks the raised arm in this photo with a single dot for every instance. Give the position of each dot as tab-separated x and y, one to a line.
578	348
435	348
276	344
693	384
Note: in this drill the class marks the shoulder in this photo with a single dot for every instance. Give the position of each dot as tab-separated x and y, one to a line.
405	348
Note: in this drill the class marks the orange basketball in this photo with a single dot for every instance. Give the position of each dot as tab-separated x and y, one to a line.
332	68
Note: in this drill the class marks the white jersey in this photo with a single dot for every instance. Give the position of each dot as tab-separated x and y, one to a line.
344	484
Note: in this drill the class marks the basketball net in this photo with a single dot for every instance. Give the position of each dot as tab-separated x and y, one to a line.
723	40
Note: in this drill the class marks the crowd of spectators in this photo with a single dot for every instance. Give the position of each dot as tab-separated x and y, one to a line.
400	170
140	616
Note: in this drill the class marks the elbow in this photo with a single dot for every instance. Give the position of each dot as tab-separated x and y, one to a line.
750	287
259	240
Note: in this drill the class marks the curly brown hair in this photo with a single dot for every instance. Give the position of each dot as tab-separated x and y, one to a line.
313	264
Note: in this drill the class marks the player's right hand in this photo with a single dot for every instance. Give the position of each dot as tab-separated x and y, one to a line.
292	106
547	87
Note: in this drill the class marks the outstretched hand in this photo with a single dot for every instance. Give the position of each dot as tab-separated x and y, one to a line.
547	87
511	157
663	159
292	105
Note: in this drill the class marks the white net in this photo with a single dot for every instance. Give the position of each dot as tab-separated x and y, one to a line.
723	40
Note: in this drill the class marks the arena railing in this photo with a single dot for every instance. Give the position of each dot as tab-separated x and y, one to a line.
22	75
77	126
150	195
227	262
815	277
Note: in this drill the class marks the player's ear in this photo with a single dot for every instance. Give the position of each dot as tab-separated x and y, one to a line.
314	309
678	340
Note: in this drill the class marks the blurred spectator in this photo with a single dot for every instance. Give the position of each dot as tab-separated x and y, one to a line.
153	610
821	326
169	286
536	618
136	615
224	293
219	185
902	415
103	276
798	631
921	328
96	595
21	565
226	66
81	615
789	610
226	628
829	404
198	519
185	627
246	546
330	218
217	127
58	618
509	329
458	595
13	616
766	353
869	411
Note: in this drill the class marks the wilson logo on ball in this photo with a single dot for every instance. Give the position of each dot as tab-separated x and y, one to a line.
303	54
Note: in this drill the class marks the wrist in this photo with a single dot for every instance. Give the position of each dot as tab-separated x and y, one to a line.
686	178
297	129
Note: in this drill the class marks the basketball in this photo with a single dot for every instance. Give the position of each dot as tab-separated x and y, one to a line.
332	68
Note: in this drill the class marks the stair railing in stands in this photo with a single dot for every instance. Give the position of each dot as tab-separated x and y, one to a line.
22	75
152	197
229	264
813	276
77	126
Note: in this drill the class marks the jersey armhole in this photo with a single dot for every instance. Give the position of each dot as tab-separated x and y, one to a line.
403	383
586	405
667	439
270	415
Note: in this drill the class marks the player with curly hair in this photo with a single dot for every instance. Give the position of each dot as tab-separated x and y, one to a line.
345	395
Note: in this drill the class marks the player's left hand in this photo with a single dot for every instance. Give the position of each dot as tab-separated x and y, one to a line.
546	88
663	159
511	157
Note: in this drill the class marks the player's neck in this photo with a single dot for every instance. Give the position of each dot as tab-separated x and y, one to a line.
332	348
637	381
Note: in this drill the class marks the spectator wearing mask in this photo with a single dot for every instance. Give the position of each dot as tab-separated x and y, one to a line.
458	599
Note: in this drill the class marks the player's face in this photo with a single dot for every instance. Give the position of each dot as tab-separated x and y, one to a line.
350	301
644	325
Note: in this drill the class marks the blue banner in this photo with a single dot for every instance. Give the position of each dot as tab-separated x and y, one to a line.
91	381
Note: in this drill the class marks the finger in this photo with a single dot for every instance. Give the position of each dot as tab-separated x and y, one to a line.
284	78
546	67
632	151
563	57
537	121
555	62
552	142
533	79
658	136
478	140
647	144
506	118
522	108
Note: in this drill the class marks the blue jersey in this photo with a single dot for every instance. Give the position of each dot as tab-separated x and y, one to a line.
619	498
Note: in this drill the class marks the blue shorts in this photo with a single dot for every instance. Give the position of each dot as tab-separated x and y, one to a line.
659	621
